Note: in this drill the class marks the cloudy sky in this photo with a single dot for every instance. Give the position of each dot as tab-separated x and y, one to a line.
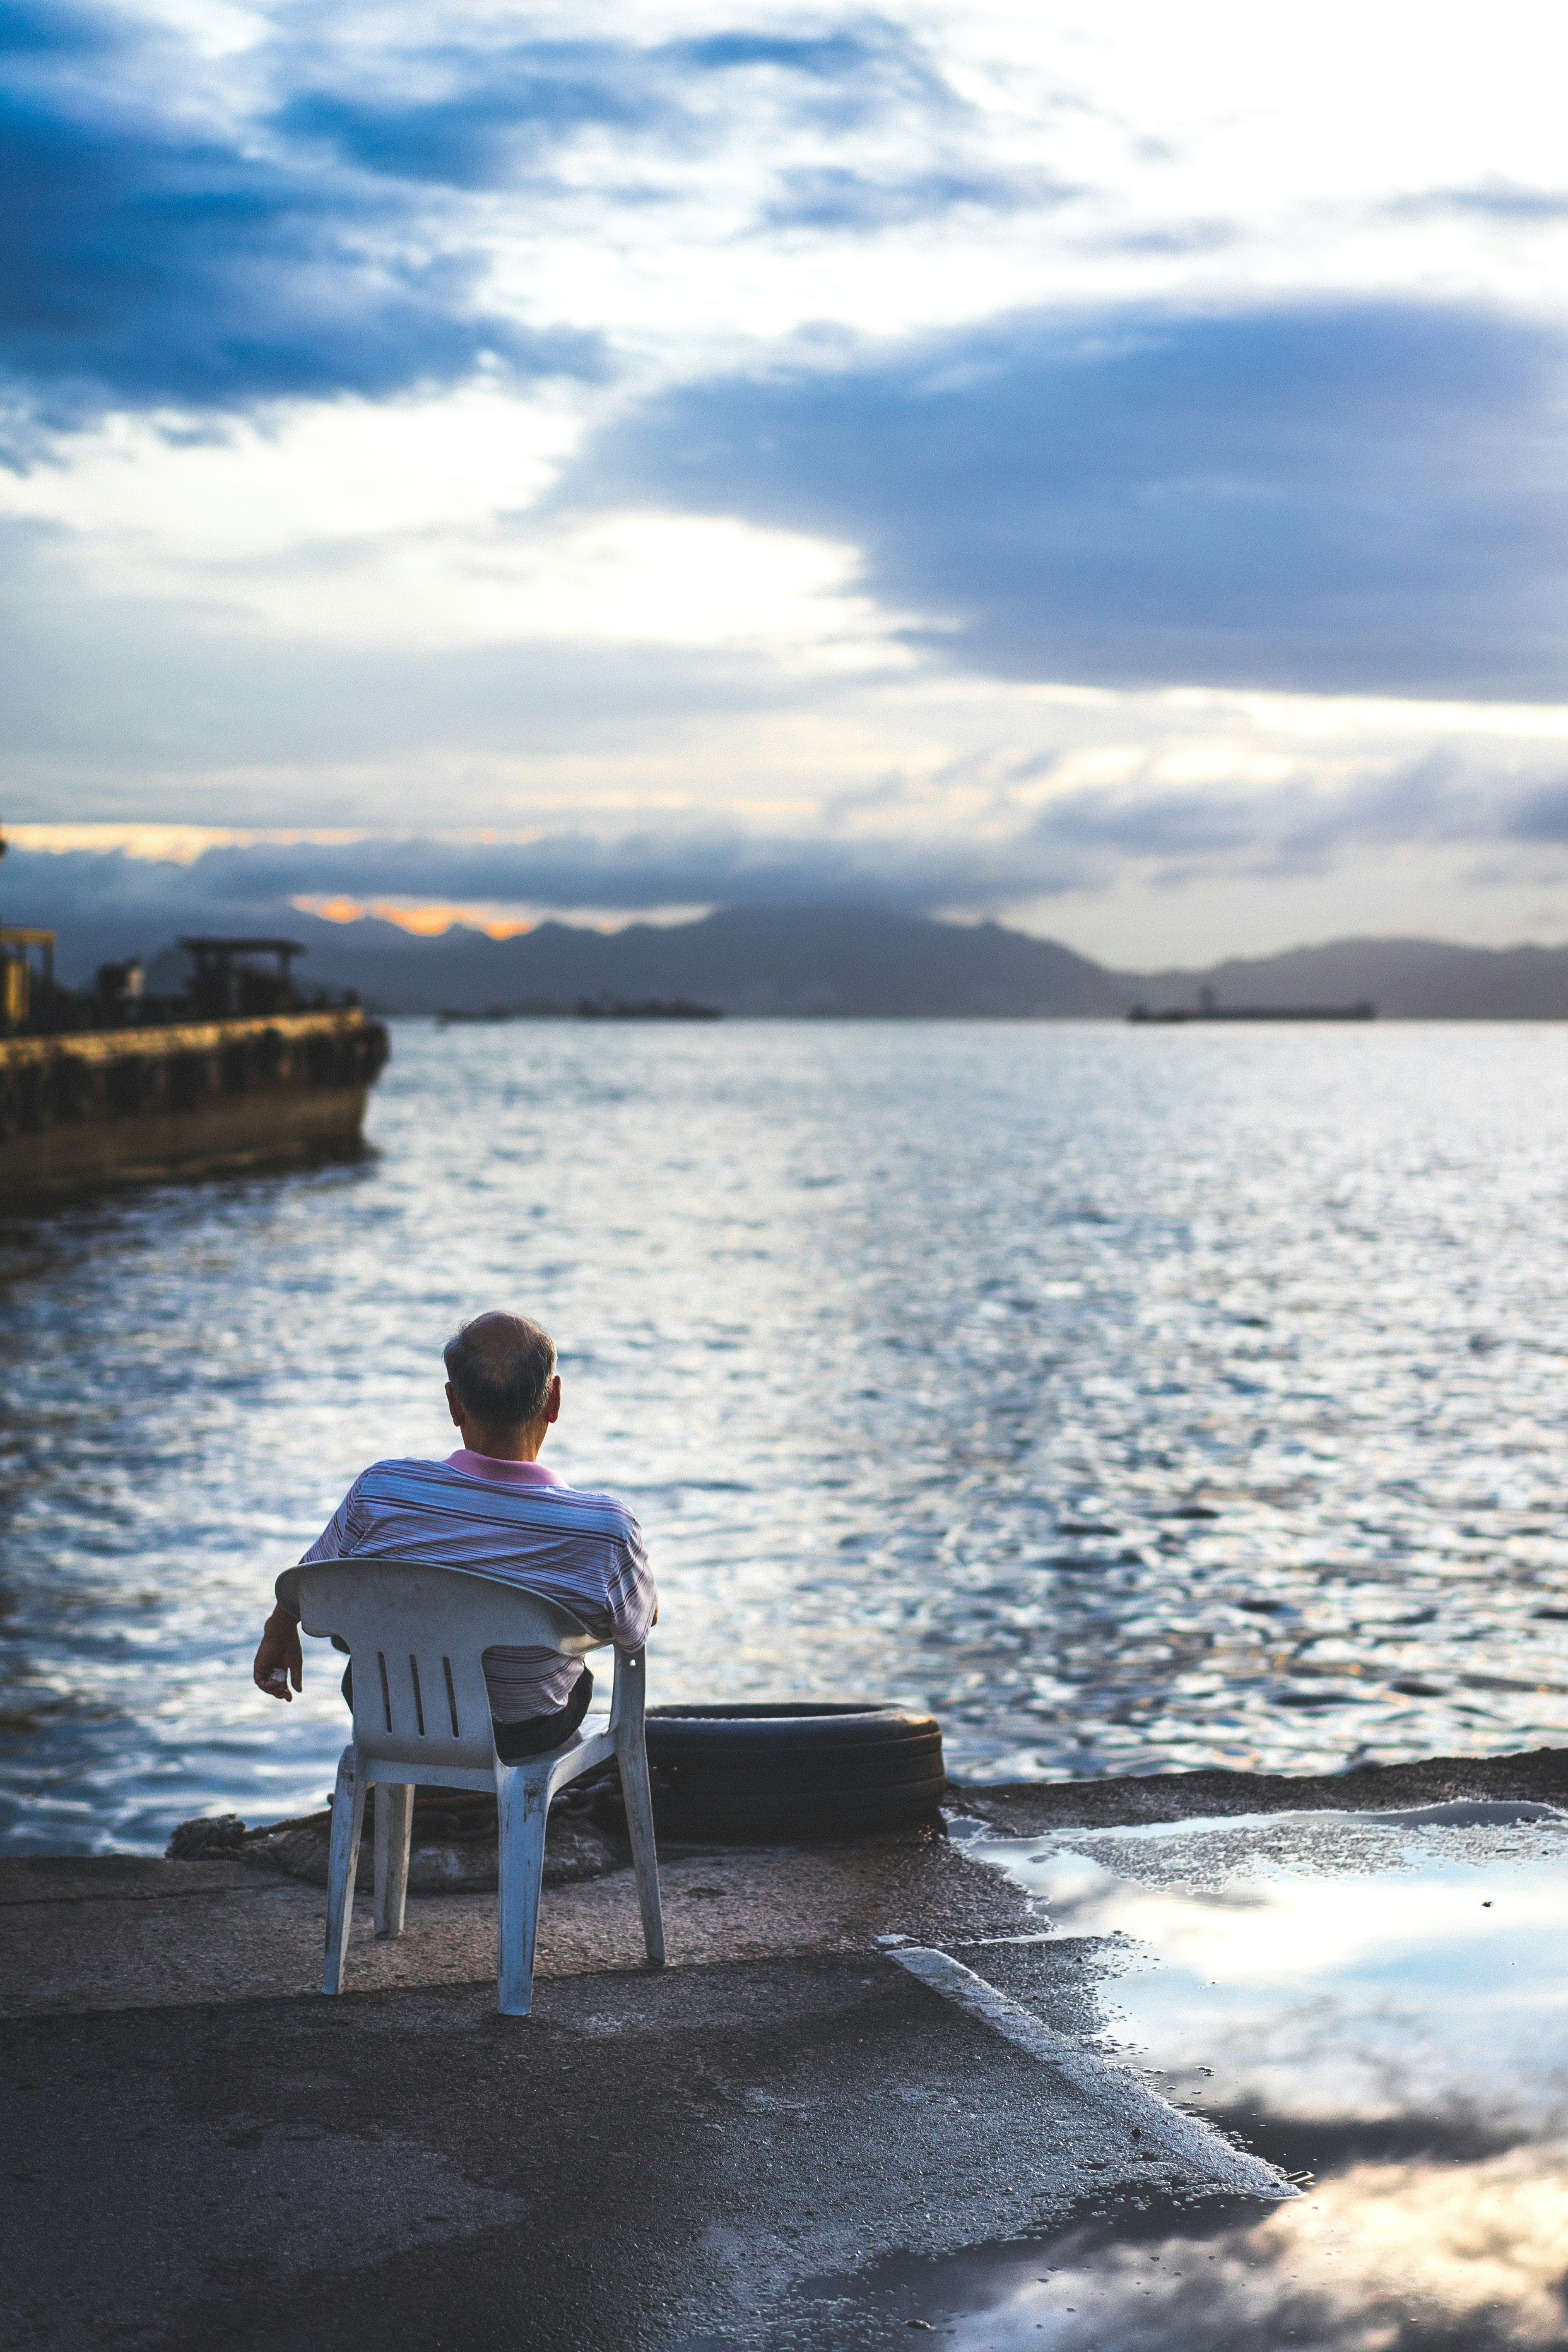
1103	466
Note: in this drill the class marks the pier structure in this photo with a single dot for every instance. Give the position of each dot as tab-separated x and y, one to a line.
82	1109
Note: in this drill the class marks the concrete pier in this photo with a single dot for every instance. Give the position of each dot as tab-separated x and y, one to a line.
204	2151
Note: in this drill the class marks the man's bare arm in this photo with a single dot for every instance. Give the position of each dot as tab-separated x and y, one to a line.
278	1661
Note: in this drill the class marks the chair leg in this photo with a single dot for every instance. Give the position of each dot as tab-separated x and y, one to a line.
523	1804
342	1868
394	1832
639	1798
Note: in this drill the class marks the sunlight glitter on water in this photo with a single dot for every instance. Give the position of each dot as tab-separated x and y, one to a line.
1134	1400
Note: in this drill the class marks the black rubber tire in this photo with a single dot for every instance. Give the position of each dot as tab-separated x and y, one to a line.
789	1770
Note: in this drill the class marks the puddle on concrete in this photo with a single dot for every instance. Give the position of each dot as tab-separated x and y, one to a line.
1374	2003
1401	1968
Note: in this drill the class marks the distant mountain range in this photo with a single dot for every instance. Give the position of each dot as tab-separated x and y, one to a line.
864	961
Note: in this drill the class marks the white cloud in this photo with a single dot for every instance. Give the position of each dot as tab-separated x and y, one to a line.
301	476
415	523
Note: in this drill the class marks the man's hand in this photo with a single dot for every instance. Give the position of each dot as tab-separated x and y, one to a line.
278	1661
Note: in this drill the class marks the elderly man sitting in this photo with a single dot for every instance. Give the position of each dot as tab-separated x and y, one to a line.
493	1505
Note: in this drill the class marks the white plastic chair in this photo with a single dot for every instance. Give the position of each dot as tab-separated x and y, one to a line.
418	1634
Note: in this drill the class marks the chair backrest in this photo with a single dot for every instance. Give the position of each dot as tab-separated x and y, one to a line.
417	1633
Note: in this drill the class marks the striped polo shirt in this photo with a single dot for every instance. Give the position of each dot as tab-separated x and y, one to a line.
517	1520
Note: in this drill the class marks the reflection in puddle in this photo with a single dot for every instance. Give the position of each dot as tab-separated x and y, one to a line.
1383	2258
1331	1967
1373	2001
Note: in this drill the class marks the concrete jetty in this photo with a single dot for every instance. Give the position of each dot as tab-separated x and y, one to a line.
202	2150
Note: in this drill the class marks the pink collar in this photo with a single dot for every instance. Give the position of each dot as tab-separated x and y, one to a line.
485	1465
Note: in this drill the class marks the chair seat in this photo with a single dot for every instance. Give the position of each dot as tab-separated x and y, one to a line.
463	1776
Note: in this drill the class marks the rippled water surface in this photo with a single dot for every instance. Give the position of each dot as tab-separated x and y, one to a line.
1136	1399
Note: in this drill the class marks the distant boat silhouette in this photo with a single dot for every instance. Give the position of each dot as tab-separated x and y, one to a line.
591	1008
1169	1014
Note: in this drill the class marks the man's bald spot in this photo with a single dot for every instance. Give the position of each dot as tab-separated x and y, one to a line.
500	1366
501	1336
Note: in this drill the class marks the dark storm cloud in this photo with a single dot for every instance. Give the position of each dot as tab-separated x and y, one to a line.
499	115
143	263
639	870
1294	828
840	75
1366	497
162	247
105	903
836	58
491	117
1082	841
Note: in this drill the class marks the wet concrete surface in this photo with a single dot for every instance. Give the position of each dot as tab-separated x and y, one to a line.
788	2140
120	1931
650	2161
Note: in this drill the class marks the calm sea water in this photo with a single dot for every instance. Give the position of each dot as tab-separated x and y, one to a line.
1133	1398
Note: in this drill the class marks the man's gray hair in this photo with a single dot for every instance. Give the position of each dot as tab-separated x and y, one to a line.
502	1367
